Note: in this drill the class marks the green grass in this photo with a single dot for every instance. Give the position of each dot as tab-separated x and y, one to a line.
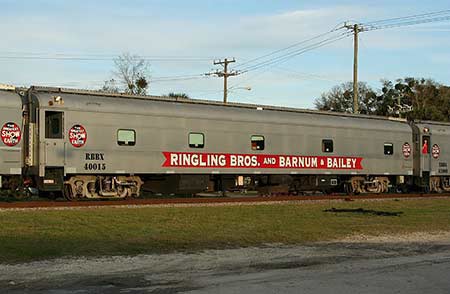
32	235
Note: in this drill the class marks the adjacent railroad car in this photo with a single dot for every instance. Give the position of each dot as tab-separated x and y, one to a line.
432	149
11	131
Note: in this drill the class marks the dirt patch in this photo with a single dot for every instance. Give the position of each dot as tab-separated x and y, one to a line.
416	237
178	272
209	259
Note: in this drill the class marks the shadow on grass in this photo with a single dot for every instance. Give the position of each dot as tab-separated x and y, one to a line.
364	211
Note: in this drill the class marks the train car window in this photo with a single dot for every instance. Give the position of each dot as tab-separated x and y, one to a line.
257	142
126	137
327	146
196	140
388	148
53	124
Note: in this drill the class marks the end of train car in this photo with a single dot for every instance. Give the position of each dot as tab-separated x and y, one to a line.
11	138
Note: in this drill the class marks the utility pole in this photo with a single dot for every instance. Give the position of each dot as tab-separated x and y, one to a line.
225	74
356	29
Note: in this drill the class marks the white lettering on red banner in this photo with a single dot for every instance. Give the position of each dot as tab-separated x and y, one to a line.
77	136
227	160
11	134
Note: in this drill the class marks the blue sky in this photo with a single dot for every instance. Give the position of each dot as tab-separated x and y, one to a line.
184	37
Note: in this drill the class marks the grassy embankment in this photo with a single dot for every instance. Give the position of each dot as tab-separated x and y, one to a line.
31	235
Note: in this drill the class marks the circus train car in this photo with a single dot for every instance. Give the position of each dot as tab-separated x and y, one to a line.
90	144
98	145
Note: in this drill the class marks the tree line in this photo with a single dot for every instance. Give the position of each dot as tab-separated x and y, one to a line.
410	98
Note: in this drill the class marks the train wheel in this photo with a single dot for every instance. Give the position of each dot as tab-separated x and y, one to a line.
68	193
357	185
348	188
402	189
445	181
376	188
18	190
123	191
435	184
22	193
326	191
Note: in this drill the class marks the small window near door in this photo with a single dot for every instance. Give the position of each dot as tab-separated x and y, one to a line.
257	142
53	125
126	137
388	148
327	146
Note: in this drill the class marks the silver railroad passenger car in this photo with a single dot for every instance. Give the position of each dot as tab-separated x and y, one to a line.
91	144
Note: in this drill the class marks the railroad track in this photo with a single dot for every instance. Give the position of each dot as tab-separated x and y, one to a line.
204	200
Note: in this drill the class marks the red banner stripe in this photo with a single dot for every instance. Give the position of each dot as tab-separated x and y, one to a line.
227	160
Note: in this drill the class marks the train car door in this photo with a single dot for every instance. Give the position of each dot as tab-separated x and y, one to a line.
426	154
54	143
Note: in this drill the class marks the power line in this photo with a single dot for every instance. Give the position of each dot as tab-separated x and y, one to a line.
68	57
430	14
177	78
291	46
438	16
268	64
101	82
245	81
247	66
297	52
405	23
305	76
290	54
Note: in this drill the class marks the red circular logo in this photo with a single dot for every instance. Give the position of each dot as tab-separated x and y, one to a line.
11	134
435	151
77	136
406	149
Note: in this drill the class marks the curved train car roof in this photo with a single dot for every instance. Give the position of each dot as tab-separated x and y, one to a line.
96	101
10	99
434	127
433	123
